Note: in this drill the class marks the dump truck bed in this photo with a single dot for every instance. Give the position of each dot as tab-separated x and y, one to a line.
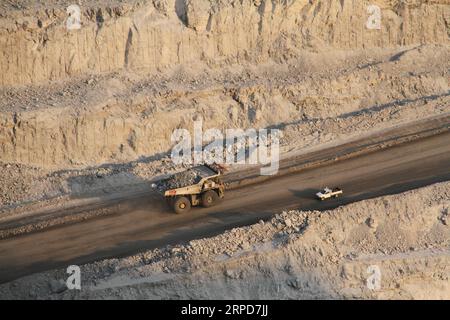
186	179
200	185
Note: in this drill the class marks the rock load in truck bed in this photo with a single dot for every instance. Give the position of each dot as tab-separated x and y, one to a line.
185	178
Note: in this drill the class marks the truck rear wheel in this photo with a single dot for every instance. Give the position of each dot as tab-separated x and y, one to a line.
181	205
209	198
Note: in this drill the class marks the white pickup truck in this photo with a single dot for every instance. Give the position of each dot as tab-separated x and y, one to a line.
328	193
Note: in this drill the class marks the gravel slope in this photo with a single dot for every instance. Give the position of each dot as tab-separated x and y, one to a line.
295	255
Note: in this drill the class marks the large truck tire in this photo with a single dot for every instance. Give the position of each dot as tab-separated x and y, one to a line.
181	205
209	198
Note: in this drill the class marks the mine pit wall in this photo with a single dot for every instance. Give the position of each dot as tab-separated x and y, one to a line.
116	131
63	138
36	46
149	38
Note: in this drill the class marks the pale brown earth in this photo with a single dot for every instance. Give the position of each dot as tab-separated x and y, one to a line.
109	95
128	142
90	112
295	255
153	36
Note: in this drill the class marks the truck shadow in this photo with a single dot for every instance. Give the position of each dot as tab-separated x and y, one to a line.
305	194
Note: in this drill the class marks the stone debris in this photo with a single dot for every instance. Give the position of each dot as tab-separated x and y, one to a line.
57	286
179	180
372	223
445	216
311	109
330	252
91	125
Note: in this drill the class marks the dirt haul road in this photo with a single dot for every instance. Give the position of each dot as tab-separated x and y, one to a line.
146	223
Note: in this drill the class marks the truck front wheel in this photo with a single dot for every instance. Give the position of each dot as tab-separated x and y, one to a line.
209	198
182	205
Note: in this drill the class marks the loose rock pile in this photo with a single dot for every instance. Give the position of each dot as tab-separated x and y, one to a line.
179	180
294	255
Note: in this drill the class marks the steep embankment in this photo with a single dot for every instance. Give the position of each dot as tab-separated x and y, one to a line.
149	36
122	118
114	90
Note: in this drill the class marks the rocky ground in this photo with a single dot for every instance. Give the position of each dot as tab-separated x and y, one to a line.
327	99
295	255
91	109
90	112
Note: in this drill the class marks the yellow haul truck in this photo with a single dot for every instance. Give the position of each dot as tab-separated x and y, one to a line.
196	186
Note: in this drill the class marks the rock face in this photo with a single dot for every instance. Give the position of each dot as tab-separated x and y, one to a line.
37	46
198	13
118	121
135	71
